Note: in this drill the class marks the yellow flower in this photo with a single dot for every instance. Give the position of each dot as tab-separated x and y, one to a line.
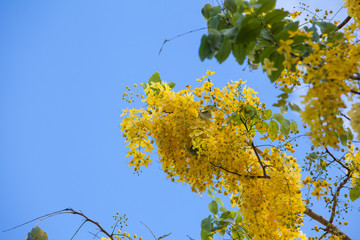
268	66
209	73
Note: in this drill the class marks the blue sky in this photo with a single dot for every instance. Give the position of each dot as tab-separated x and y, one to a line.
63	68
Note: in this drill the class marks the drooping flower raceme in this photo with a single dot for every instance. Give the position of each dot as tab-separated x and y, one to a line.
205	137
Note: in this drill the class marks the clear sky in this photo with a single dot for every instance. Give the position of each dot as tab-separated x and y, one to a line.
63	68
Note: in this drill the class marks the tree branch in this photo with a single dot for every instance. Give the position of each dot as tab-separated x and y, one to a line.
258	157
331	228
346	20
336	194
240	175
337	160
72	211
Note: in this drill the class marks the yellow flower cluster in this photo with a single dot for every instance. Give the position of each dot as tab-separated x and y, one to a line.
354	114
205	138
353	160
328	71
123	236
353	9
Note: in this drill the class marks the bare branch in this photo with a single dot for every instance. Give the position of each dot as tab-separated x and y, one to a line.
78	230
164	236
179	35
337	160
331	228
240	175
259	159
335	195
346	20
149	230
72	211
41	217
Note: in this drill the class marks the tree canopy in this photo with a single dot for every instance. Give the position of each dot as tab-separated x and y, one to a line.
217	139
226	142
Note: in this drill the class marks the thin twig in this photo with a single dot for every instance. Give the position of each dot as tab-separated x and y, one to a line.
41	217
179	35
164	236
240	175
337	160
335	195
345	116
149	230
355	92
78	230
72	211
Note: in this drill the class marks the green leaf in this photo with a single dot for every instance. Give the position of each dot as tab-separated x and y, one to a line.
205	50
214	21
294	107
250	29
275	16
222	209
326	27
218	200
237	233
285	127
213	207
171	85
229	220
221	233
343	139
278	60
278	117
266	5
215	11
210	194
155	78
251	111
204	235
230	5
354	193
277	27
37	234
280	103
239	52
224	51
205	114
230	33
283	110
268	114
238	219
273	128
207	225
313	29
265	53
312	155
215	39
349	134
293	126
262	127
206	11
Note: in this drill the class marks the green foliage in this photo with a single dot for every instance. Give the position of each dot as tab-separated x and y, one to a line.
345	137
215	224
285	127
36	234
213	207
273	129
355	191
294	107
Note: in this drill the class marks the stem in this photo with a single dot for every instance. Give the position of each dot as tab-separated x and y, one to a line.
331	228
